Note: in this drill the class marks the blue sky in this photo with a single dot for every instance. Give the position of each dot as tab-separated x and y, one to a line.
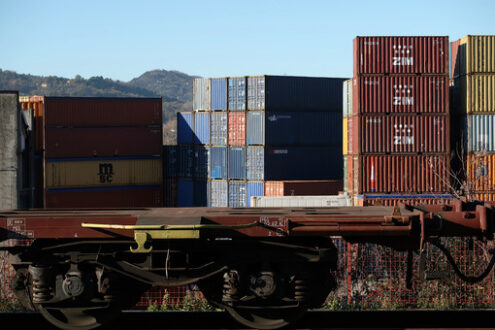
123	39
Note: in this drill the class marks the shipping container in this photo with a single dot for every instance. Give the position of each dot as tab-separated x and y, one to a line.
218	163
219	196
284	93
351	140
237	163
479	133
391	174
201	161
345	182
301	201
350	177
254	188
400	55
185	128
102	142
115	197
255	163
474	94
303	163
255	128
303	187
219	128
347	97
185	193
402	134
201	128
394	199
473	54
37	103
345	134
201	94
400	94
484	197
185	161
237	93
200	191
480	168
102	172
237	194
170	191
102	111
169	161
218	93
237	128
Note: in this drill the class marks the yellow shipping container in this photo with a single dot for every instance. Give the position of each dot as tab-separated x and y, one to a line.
103	173
345	149
480	170
484	197
473	54
474	94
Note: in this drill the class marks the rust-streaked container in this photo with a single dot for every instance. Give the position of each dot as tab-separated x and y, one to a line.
391	174
393	200
121	197
237	128
474	94
402	134
102	172
102	111
303	187
37	103
400	55
103	142
473	54
480	171
401	94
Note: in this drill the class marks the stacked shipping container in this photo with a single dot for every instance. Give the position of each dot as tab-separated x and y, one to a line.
397	138
473	96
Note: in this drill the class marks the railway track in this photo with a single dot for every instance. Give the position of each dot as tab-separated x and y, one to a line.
134	320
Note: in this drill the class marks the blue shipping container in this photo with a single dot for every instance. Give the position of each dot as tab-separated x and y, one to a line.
254	188
255	128
200	193
185	165
201	158
218	163
219	193
237	163
218	93
255	160
185	131
219	128
202	128
237	194
185	195
201	94
237	94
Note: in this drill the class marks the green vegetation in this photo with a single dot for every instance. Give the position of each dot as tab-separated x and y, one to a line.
193	301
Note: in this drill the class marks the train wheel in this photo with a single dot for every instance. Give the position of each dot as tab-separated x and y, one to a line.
265	318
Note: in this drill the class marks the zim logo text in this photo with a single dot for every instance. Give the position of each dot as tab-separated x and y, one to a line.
397	61
106	172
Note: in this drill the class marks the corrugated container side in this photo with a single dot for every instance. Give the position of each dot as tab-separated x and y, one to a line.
345	133
237	194
480	170
393	200
202	128
218	93
256	93
346	169
200	191
105	198
219	128
237	93
303	187
170	161
185	193
254	188
402	174
301	201
303	163
185	164
218	163
401	55
347	98
403	134
185	128
170	191
102	111
274	188
102	172
255	128
201	94
480	133
219	196
38	106
473	54
201	161
401	94
237	128
474	94
485	197
237	163
102	142
352	133
255	160
350	175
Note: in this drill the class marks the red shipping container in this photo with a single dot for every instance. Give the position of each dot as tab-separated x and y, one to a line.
111	198
391	174
303	187
400	94
103	142
102	111
237	128
402	134
386	201
375	55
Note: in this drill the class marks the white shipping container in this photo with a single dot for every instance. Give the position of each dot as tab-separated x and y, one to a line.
480	133
301	201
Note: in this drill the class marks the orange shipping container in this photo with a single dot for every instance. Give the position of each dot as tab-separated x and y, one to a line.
303	187
393	200
37	104
480	170
237	128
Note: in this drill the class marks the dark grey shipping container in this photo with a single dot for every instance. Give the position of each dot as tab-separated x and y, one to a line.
219	193
283	93
201	160
219	128
218	163
237	93
255	163
237	194
185	162
201	192
169	161
237	163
